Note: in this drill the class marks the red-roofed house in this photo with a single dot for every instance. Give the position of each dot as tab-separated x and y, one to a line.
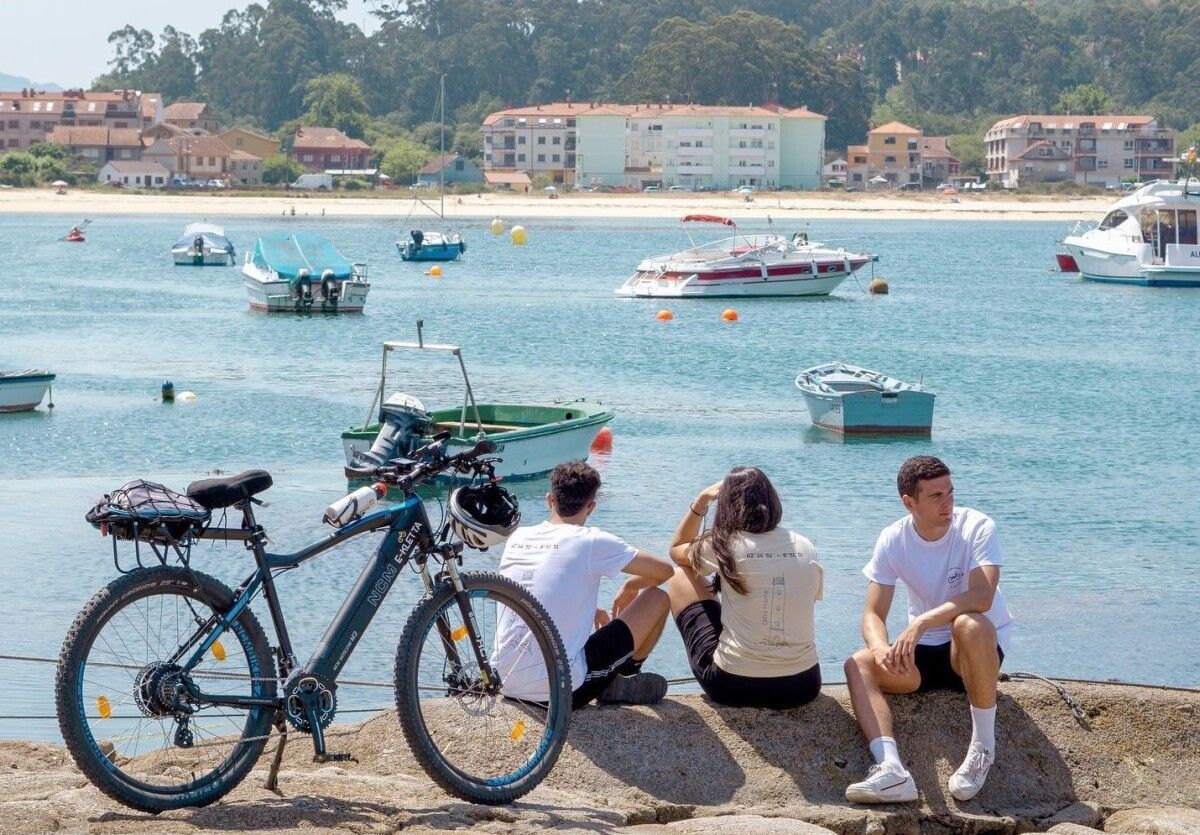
192	116
938	165
99	143
28	116
318	149
1101	149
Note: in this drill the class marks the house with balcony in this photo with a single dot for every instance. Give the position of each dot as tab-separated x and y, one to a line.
938	164
894	153
195	117
1101	150
98	144
320	149
29	116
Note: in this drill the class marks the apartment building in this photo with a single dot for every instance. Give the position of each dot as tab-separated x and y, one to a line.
1089	150
938	164
195	117
538	140
700	147
29	116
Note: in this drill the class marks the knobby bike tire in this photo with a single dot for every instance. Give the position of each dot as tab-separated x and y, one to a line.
408	707
75	731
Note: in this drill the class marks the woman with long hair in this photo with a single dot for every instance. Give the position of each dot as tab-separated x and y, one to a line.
749	632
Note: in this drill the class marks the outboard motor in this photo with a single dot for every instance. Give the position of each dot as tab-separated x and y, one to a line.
302	288
330	287
403	421
418	238
198	255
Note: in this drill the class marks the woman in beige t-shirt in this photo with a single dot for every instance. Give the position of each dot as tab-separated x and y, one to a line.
749	634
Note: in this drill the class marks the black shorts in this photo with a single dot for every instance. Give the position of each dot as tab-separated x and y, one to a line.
700	625
933	663
608	648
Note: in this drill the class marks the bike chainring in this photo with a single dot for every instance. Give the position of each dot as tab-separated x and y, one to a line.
304	689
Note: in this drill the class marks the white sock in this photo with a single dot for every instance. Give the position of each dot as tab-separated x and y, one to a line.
983	726
885	752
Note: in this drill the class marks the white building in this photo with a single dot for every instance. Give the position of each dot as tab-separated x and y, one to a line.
135	174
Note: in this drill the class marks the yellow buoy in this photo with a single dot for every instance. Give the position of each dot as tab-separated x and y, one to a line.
497	226
517	235
218	650
435	271
729	315
878	286
664	315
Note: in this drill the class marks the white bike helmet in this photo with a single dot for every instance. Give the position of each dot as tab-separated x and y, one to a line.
483	516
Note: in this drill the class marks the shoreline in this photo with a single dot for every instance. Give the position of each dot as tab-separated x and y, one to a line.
782	205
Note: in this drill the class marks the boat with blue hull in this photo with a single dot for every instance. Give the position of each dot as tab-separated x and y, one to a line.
302	273
1148	238
203	245
431	246
848	399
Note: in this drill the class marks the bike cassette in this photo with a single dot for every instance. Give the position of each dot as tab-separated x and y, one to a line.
305	694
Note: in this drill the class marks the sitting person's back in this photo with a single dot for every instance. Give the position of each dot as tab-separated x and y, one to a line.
750	636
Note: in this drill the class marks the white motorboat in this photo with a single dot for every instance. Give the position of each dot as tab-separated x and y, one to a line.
846	398
1149	237
22	391
745	265
301	273
203	245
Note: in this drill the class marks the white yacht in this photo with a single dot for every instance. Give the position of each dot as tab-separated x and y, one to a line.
1149	237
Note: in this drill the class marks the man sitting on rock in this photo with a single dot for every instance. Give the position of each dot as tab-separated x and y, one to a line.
958	628
561	562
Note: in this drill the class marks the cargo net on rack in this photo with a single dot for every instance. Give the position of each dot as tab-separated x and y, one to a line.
144	511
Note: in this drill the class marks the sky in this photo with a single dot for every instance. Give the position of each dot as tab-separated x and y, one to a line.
73	54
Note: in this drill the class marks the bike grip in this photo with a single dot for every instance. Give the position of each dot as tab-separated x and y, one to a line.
483	447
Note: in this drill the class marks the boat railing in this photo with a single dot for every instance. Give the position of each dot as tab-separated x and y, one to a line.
1081	227
358	271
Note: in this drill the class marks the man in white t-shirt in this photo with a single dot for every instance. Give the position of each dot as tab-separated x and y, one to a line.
958	630
561	563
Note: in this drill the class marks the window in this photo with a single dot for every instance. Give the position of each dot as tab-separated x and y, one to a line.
1128	163
541	140
307	157
654	127
889	140
120	124
889	159
1102	163
756	143
555	158
1113	220
520	157
335	157
212	160
557	140
1128	144
13	123
520	140
91	107
771	145
12	143
35	124
770	163
541	157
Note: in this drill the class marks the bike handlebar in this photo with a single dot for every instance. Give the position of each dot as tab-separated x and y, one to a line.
424	470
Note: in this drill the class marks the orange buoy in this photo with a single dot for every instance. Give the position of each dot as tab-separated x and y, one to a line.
664	315
603	440
435	271
729	315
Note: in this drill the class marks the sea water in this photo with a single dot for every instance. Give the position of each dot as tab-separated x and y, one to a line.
1067	411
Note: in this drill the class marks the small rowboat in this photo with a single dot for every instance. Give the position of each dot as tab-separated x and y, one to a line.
846	398
22	391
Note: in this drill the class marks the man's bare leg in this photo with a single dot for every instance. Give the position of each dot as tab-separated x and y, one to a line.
889	781
975	657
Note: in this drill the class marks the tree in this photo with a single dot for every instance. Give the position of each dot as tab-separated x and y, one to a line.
1189	137
48	149
1084	100
49	169
336	100
279	170
970	151
18	169
402	159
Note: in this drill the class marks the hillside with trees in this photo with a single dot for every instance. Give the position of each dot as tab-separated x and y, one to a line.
949	66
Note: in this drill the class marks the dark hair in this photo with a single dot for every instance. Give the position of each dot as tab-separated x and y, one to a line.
747	502
573	484
917	469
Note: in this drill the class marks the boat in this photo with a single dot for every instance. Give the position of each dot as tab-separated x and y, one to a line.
848	399
428	245
1148	237
745	265
531	438
22	391
203	245
303	272
75	233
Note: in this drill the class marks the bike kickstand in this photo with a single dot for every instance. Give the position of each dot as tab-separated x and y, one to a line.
272	784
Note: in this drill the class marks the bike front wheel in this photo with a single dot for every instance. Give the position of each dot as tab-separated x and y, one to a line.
485	732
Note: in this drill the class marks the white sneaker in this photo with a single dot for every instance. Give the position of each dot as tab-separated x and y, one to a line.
883	785
965	783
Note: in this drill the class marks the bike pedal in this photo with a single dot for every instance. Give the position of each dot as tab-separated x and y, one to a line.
334	758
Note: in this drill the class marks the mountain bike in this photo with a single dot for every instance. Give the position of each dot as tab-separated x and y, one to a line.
167	688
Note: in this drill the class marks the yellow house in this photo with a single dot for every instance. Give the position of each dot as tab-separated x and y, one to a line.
894	153
240	139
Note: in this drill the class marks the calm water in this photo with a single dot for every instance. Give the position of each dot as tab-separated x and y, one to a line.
1066	410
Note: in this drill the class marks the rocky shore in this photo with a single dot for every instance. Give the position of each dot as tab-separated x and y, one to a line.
687	767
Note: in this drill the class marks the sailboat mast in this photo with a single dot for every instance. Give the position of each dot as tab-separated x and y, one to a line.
442	150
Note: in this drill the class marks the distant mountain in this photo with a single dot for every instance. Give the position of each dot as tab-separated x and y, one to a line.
8	83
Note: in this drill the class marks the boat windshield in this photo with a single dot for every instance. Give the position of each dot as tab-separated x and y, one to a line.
1113	220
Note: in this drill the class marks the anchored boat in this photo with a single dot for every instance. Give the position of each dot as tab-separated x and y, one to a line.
745	265
22	391
846	398
203	245
303	272
531	438
1148	237
423	244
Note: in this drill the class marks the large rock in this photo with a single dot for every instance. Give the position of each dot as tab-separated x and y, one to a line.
1083	814
1161	820
1072	829
731	825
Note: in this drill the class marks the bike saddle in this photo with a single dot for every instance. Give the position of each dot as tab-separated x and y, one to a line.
214	493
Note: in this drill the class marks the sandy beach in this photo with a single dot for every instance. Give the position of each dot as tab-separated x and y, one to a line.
513	207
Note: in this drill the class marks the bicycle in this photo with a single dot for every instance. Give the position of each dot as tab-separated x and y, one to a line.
167	688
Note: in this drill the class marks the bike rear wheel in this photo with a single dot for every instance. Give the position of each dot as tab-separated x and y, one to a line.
121	692
480	740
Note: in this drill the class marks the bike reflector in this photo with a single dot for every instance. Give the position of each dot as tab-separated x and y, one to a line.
459	634
103	707
518	731
218	650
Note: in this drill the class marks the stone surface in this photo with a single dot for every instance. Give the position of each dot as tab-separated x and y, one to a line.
688	758
1083	814
732	825
1072	829
1161	820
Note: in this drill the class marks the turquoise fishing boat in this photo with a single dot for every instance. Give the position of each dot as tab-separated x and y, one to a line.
846	398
